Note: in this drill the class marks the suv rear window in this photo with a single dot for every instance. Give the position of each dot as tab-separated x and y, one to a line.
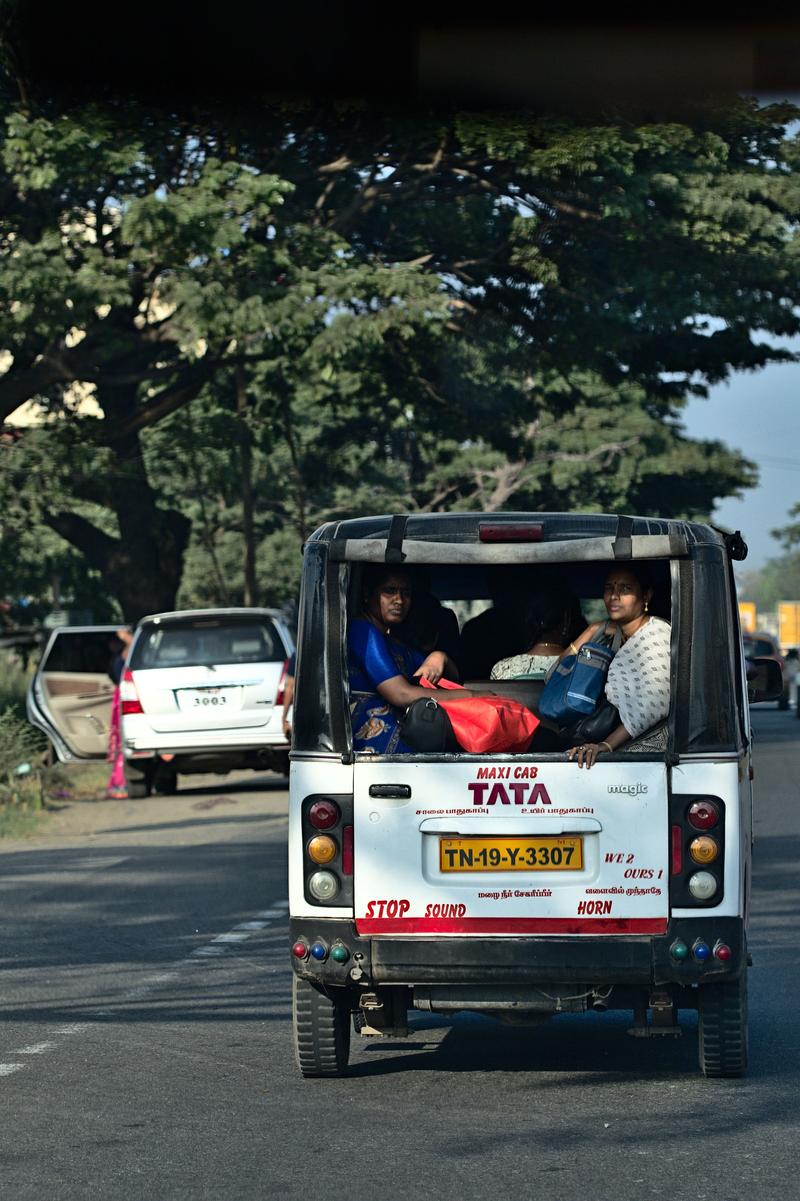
190	644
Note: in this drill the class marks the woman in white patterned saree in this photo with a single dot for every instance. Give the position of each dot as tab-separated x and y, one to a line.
638	681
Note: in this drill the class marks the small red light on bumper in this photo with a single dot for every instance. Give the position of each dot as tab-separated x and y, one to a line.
722	952
300	950
347	851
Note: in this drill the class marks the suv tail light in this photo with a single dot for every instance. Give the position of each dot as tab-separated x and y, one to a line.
282	683
128	695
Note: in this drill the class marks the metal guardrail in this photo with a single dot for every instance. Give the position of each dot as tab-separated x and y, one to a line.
22	637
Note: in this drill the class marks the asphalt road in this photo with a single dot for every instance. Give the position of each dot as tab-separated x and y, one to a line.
145	1047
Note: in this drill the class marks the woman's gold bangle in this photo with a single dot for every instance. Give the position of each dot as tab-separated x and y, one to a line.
606	744
572	647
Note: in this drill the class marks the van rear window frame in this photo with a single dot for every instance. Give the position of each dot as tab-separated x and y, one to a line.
702	720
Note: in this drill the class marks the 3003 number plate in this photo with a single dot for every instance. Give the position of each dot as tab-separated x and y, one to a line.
209	699
510	854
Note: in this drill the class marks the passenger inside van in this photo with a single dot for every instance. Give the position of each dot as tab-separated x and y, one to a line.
499	631
553	617
638	681
431	626
381	667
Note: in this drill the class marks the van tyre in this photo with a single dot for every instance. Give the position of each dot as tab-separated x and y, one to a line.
321	1031
722	1027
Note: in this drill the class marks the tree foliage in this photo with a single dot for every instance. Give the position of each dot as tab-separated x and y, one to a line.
779	578
292	314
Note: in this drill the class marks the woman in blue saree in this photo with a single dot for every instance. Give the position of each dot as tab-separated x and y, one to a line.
382	668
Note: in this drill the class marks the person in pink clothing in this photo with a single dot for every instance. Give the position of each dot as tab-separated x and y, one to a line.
116	788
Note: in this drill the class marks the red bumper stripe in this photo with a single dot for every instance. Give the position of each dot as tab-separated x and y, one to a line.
513	925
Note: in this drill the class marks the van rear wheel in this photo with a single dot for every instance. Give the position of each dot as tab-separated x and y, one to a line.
321	1031
722	1026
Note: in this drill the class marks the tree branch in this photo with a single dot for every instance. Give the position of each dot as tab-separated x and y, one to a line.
165	402
99	548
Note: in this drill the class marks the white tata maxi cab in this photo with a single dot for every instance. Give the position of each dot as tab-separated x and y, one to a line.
633	891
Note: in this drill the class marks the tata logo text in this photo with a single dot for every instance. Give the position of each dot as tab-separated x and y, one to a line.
516	792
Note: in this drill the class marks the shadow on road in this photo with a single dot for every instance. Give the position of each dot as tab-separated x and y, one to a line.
268	783
186	823
129	903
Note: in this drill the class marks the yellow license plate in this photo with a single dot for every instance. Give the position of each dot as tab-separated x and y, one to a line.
510	854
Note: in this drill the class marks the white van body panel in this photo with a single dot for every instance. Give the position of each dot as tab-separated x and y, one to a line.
619	812
308	777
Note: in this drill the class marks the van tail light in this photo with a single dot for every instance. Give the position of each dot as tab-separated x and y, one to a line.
696	840
282	683
128	695
518	531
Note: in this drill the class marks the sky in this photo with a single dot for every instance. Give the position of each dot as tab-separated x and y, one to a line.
759	414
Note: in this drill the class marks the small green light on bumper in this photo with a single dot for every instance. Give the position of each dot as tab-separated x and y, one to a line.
679	950
340	954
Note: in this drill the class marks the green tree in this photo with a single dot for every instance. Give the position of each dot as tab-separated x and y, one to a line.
142	263
299	313
779	578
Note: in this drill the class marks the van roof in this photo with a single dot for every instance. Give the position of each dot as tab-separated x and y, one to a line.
465	527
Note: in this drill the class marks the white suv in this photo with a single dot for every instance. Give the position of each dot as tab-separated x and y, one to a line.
202	691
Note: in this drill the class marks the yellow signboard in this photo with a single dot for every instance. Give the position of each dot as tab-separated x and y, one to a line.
747	616
789	624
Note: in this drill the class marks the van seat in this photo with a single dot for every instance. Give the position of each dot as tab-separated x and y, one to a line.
527	692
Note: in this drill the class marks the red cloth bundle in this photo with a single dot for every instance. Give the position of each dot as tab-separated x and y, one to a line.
488	724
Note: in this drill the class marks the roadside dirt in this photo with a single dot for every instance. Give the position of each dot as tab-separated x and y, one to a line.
205	809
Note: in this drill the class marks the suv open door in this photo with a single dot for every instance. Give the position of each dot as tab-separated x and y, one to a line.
70	696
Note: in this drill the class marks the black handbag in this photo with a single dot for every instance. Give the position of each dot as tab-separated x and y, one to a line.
426	727
597	726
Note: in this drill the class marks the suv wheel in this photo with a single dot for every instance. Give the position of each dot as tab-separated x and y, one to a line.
165	781
138	783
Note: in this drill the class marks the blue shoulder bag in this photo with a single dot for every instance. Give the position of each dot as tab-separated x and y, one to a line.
575	689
